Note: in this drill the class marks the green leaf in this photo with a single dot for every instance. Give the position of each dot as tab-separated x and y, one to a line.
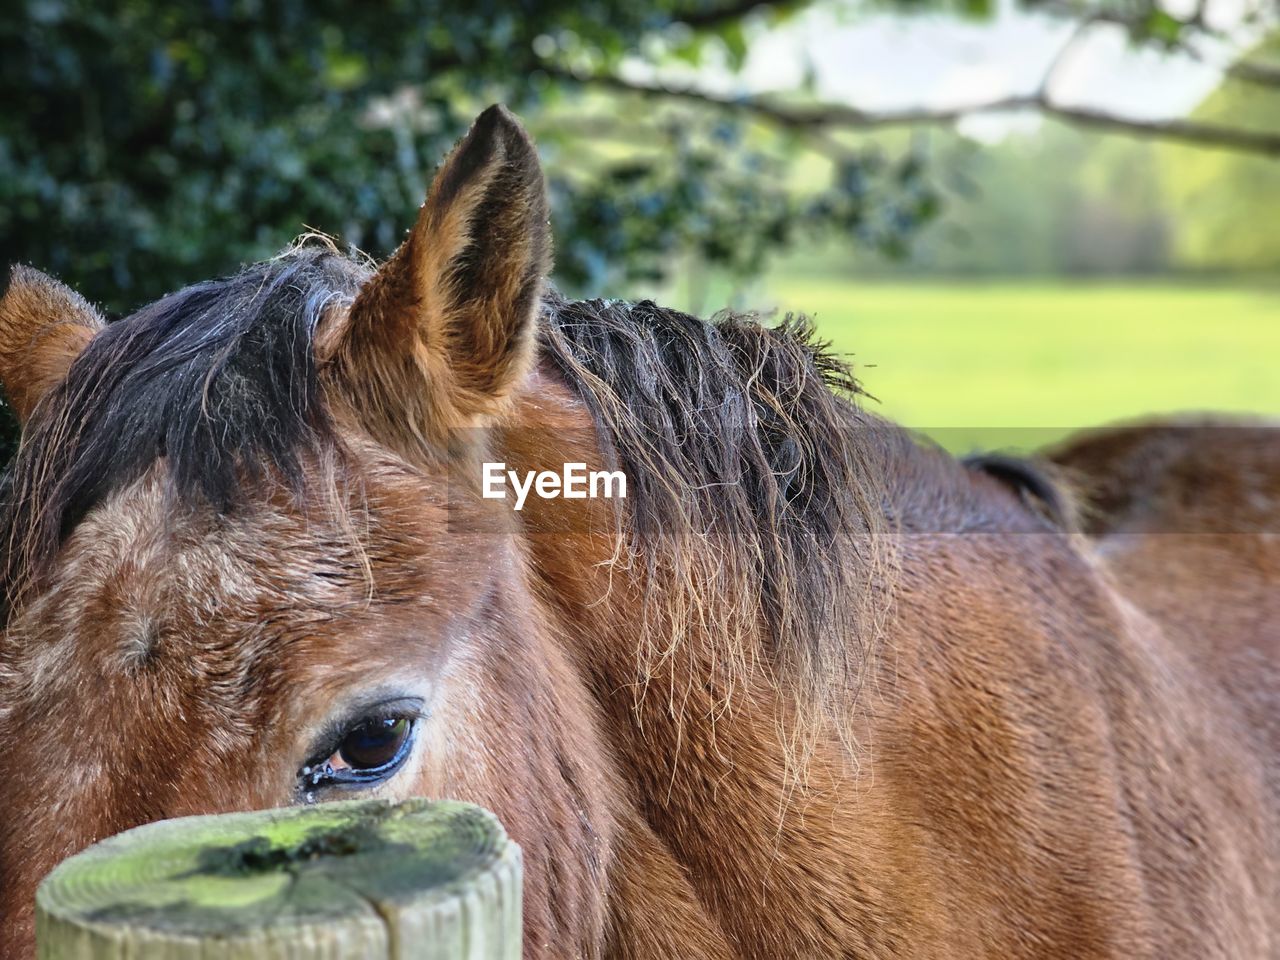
735	44
1161	26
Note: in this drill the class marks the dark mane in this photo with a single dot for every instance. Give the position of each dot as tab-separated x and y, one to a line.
747	466
217	379
752	476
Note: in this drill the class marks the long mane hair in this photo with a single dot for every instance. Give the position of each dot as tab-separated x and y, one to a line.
757	502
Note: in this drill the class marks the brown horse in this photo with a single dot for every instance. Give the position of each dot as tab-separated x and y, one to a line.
813	689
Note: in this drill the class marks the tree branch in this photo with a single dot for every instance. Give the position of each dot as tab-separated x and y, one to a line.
796	118
1260	74
817	121
825	117
1183	131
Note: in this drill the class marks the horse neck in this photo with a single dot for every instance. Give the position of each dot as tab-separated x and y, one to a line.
1006	641
689	731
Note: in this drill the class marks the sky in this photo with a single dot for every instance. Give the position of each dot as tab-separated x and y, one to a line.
885	62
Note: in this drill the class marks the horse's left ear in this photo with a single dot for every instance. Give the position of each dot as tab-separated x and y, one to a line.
44	325
438	338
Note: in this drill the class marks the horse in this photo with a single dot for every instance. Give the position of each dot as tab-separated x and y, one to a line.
813	689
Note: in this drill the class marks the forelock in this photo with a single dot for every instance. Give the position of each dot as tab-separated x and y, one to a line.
217	381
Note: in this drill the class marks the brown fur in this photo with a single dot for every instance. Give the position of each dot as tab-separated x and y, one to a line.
43	327
1061	746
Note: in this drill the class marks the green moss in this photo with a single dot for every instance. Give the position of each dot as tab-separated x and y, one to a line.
243	872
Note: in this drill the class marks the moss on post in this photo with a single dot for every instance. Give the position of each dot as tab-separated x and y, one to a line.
369	879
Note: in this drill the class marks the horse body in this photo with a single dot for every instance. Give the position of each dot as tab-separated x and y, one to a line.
816	690
1048	770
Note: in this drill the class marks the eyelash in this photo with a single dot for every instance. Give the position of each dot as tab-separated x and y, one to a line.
319	773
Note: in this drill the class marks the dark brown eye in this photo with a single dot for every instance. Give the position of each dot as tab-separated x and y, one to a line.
372	745
368	752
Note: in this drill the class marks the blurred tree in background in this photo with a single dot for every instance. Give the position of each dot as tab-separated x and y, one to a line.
1230	203
145	144
148	144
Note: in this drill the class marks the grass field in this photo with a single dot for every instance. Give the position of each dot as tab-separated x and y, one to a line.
1015	365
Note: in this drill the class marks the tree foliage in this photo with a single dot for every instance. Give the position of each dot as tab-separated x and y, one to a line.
1054	201
148	144
145	145
1229	204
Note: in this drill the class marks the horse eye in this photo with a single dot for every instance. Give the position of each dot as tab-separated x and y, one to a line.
373	744
368	752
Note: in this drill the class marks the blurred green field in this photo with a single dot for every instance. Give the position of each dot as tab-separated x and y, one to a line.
1014	365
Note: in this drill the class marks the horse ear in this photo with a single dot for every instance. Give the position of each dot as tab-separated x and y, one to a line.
439	337
44	325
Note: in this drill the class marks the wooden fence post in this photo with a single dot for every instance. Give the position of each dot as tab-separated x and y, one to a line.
361	879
